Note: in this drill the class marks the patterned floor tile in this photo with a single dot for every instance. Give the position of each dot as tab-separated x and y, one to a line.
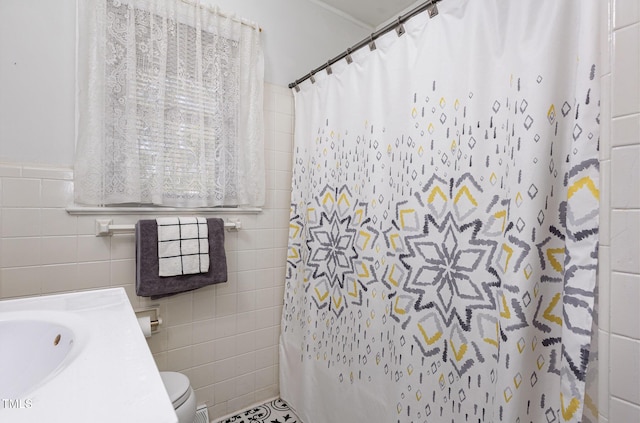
276	411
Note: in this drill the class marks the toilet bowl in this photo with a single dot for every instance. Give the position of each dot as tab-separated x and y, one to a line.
181	394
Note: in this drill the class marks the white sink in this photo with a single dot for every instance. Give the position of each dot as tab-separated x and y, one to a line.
36	345
78	357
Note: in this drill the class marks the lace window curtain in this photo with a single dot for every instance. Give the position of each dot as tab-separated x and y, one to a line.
169	106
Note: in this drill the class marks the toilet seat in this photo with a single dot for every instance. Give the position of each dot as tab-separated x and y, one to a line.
177	386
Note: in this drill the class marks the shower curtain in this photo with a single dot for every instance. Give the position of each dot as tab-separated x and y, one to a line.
444	222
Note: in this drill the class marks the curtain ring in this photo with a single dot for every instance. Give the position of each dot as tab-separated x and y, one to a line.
312	78
372	43
348	57
400	28
328	68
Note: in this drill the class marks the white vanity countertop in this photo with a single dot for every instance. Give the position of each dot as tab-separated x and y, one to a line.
112	377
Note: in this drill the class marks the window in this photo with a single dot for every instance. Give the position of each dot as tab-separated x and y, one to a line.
169	106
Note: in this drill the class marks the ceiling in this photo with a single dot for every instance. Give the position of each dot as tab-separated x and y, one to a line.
370	12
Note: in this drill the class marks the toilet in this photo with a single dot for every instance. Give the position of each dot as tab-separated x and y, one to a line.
182	396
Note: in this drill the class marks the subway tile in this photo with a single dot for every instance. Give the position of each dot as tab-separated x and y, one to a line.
60	278
245	363
224	369
179	311
605	118
47	173
625	130
266	357
246	301
625	73
284	103
625	12
246	322
122	272
269	118
623	412
604	231
284	161
21	281
624	379
267	393
226	305
56	193
225	348
265	377
204	353
245	384
179	359
96	274
247	280
603	373
123	246
204	303
21	222
604	287
625	174
226	326
625	298
204	331
284	142
225	390
180	336
263	338
94	248
20	192
59	249
202	376
57	222
245	342
10	171
218	410
19	252
625	241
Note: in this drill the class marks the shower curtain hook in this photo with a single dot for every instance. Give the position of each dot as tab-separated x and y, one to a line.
372	43
312	78
328	68
297	88
432	9
400	28
348	57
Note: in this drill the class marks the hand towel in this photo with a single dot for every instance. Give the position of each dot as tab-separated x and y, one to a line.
183	246
149	284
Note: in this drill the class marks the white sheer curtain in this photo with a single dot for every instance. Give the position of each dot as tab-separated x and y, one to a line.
444	222
169	105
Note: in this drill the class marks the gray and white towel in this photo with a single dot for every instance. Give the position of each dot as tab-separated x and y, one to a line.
183	246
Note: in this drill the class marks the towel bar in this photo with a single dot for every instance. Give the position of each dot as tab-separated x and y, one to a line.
105	227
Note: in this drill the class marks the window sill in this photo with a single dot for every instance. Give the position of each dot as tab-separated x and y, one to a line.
97	211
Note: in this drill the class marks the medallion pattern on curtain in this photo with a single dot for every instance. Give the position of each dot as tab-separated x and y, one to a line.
444	222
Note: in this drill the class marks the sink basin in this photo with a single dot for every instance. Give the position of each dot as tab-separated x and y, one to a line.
75	357
34	347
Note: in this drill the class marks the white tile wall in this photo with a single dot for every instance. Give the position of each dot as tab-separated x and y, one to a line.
619	380
223	337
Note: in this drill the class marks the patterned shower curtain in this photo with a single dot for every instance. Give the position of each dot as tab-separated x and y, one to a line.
444	222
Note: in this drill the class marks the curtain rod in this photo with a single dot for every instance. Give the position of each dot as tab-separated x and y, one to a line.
220	13
397	25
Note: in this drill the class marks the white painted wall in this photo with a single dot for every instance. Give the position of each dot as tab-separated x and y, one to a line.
37	64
